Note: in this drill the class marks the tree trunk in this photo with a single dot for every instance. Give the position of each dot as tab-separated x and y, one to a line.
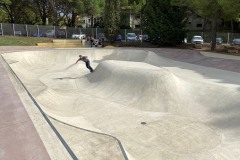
205	22
44	20
92	21
73	20
232	25
10	14
214	34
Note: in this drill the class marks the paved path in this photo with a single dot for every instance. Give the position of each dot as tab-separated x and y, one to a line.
19	139
214	60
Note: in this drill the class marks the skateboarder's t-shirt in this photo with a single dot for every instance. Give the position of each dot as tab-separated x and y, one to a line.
84	59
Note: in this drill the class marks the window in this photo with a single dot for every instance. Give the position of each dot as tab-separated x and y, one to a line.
199	25
137	26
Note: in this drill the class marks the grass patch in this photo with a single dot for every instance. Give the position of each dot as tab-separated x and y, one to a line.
22	41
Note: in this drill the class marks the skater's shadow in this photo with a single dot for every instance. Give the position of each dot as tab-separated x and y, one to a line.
63	78
69	66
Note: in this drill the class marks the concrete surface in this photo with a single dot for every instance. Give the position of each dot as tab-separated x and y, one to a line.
156	107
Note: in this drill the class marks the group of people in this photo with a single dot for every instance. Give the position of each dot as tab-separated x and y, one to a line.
92	42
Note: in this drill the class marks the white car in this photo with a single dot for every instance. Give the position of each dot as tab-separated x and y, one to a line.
50	33
197	40
131	37
18	33
78	36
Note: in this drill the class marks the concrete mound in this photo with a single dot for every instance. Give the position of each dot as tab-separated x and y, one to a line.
136	84
158	108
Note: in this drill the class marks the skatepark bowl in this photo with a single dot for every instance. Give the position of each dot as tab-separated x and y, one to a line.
136	105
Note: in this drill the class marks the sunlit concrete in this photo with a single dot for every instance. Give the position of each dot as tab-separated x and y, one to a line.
158	108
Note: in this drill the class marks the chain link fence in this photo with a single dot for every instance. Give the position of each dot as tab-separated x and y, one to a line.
67	32
55	31
226	37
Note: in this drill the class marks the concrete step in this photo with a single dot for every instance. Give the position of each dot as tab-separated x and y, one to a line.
61	45
66	41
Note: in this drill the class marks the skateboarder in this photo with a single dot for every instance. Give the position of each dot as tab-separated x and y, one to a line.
87	62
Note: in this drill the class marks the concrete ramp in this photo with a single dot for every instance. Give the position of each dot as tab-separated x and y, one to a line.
158	109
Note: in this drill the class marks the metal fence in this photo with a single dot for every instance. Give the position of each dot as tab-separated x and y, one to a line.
67	32
54	31
226	37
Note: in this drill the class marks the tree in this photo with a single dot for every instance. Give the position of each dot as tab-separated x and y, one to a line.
214	10
69	10
3	16
19	11
125	15
112	19
7	6
93	8
28	15
44	8
164	23
137	5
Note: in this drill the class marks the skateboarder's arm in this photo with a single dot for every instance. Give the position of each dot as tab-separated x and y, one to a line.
78	60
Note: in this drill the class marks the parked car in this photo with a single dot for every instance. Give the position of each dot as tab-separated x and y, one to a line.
236	41
131	37
18	33
156	39
78	36
60	33
75	36
56	33
50	33
146	38
39	34
219	40
119	37
101	36
197	40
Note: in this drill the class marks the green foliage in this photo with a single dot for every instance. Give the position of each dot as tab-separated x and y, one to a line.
3	16
164	23
29	16
125	19
222	9
15	11
112	19
69	10
230	9
92	7
137	5
7	2
124	2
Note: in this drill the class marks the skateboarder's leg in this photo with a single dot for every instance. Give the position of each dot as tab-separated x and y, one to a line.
88	66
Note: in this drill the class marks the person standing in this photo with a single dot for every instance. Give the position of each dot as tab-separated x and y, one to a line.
91	41
87	62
